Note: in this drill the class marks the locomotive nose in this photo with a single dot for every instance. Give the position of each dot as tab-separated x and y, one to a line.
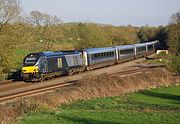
30	69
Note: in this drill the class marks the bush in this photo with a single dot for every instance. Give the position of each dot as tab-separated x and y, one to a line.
174	64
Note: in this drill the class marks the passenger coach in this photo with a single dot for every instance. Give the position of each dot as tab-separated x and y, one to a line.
140	50
99	57
125	53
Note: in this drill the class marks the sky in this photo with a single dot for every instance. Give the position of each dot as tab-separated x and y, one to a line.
115	12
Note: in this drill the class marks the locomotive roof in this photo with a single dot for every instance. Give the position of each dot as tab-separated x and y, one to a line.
52	53
99	50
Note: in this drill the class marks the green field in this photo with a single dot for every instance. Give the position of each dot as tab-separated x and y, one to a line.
151	107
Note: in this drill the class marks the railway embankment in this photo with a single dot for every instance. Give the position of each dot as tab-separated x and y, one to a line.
104	85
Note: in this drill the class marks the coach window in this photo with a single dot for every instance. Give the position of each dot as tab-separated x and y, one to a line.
112	53
150	47
102	55
106	54
93	56
109	54
141	48
96	55
99	55
130	51
121	51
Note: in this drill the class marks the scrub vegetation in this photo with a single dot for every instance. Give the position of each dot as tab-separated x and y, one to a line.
38	31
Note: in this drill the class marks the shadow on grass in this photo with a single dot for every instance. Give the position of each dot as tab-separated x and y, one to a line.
86	120
161	95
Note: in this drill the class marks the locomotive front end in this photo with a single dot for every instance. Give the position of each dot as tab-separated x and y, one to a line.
30	69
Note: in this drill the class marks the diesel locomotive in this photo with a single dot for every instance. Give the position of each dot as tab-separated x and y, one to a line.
46	65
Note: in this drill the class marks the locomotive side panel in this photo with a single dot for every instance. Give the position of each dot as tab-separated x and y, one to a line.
56	64
74	60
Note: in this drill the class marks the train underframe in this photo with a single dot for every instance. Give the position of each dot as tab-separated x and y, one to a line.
37	77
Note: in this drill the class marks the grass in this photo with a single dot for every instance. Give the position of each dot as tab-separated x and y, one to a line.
20	54
150	106
169	96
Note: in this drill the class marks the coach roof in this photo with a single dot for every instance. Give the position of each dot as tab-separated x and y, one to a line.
123	47
140	45
99	50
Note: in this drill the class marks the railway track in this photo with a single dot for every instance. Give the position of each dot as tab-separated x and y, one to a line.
36	90
6	82
135	71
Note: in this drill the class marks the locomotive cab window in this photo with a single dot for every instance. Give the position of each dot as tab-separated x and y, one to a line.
31	59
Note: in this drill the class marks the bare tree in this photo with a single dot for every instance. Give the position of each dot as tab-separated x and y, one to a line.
175	18
10	11
43	19
36	17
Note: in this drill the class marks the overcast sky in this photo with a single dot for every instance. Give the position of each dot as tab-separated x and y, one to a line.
116	12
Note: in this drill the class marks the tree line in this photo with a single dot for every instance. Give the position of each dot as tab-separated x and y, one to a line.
39	31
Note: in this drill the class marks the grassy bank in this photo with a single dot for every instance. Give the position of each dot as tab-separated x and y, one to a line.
149	106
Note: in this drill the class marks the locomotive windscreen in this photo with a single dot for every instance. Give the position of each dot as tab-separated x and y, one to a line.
31	59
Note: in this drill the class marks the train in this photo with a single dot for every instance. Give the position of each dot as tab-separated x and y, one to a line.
46	65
